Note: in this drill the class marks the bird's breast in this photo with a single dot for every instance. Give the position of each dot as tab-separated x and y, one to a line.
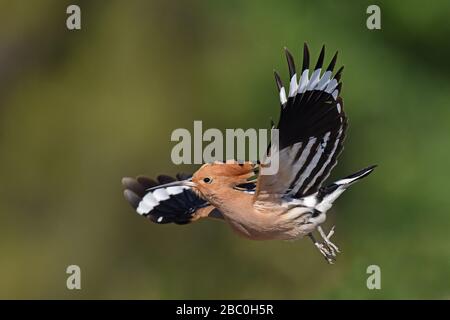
278	223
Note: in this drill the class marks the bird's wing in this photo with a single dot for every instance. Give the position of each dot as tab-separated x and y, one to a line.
311	128
177	204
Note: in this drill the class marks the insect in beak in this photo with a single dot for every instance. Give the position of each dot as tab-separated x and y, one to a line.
183	183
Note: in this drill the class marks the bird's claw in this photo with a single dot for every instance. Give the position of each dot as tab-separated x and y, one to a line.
327	248
329	256
327	242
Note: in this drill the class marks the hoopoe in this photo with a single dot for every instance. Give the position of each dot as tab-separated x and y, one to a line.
287	205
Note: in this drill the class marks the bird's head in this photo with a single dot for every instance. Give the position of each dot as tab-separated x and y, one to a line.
213	179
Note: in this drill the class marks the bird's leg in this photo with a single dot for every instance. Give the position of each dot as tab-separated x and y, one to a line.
333	248
323	250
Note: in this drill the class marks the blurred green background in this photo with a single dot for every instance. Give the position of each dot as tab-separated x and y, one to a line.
81	109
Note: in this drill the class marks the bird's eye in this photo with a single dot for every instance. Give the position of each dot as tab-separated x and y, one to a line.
207	180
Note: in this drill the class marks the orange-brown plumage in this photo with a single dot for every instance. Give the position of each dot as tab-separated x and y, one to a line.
287	204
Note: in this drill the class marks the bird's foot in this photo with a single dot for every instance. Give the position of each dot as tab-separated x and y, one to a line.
327	242
328	254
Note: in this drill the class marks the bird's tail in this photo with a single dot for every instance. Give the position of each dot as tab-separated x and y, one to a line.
328	194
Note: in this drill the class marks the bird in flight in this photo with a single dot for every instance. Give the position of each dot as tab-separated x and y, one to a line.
287	205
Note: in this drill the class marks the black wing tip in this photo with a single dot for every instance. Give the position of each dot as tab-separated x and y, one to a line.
339	88
338	74
290	61
164	178
321	58
126	181
333	62
278	80
305	57
132	198
183	176
133	185
146	182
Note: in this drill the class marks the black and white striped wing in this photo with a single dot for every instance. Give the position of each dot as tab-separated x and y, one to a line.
311	127
177	204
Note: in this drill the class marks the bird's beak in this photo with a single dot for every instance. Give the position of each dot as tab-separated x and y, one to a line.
182	183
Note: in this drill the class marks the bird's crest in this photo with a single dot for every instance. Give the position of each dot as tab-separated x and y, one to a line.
230	168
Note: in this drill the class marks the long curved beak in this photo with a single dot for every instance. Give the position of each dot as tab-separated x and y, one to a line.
182	183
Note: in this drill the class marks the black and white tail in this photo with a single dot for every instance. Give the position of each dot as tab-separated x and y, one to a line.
327	195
